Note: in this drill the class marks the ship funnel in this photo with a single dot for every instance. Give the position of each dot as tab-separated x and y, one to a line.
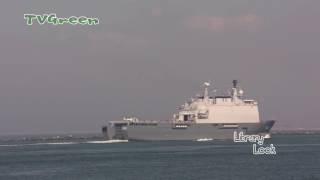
235	83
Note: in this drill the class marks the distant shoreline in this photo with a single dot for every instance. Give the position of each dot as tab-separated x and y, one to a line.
296	131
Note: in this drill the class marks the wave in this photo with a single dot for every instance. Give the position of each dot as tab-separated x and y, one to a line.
293	145
9	145
65	143
35	144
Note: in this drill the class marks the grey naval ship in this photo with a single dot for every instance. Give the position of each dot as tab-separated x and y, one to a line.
202	118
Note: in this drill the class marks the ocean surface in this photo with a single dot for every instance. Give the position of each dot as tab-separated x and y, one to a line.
82	158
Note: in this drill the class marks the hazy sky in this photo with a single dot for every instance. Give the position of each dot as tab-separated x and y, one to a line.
146	57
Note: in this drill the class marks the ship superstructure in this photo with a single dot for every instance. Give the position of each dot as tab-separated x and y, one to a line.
219	109
203	117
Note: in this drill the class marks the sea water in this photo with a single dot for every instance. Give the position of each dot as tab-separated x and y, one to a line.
297	158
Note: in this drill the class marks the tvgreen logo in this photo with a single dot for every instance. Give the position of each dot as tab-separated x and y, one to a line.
53	19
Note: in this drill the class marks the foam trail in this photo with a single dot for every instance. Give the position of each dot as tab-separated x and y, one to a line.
204	139
55	143
108	141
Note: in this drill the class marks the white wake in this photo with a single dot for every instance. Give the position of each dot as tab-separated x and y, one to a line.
107	141
204	139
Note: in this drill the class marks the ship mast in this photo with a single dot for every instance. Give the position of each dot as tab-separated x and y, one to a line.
235	90
206	92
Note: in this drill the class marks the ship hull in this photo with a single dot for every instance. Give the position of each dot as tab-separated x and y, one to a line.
169	131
